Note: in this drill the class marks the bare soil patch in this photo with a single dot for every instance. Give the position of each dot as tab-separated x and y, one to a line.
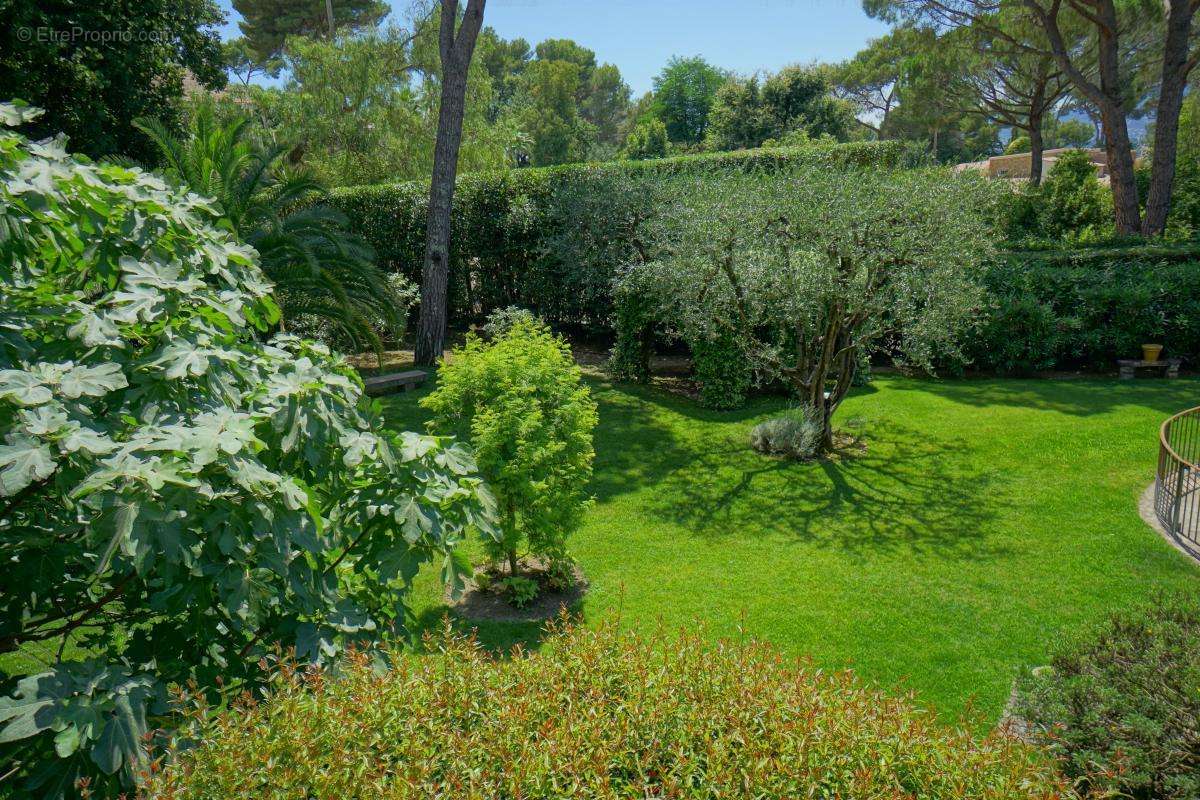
487	605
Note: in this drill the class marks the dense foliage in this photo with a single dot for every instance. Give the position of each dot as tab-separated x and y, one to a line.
597	715
520	401
800	285
1061	309
266	24
362	107
647	140
795	100
1121	709
1070	205
505	224
576	229
719	364
98	66
177	493
1184	221
564	104
1056	133
318	267
683	95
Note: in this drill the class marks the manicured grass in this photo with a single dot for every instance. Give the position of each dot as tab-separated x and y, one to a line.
983	519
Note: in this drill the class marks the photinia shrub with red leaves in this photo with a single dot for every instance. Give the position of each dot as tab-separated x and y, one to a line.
594	714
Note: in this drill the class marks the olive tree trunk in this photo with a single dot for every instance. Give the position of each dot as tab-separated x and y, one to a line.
455	50
1177	63
824	367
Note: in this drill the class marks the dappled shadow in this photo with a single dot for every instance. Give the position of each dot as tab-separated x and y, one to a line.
903	491
634	447
1077	396
403	412
497	637
646	433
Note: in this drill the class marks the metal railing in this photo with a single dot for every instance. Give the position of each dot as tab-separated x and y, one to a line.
1176	499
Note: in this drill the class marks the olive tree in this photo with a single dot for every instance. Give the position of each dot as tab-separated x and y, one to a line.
177	493
806	272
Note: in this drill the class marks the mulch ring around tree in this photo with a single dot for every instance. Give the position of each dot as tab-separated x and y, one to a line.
487	605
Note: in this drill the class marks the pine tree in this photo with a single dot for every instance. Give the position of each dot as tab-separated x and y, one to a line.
266	24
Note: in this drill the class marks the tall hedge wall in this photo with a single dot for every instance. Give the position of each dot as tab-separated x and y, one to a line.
501	220
1047	309
1088	307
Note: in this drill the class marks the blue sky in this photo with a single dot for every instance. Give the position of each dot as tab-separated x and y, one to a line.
639	36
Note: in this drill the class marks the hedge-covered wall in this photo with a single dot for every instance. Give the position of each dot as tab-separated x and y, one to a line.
502	221
1047	309
1085	308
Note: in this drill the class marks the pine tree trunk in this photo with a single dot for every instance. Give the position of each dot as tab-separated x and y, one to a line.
1120	171
1175	70
1107	97
1036	147
456	51
1116	128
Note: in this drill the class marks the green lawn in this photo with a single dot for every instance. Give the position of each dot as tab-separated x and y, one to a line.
984	519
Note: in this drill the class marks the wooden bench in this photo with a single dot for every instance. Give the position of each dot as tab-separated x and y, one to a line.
394	382
1130	366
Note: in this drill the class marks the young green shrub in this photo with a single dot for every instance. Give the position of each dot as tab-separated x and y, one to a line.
796	434
560	574
1072	200
722	370
593	715
1121	709
519	590
178	492
529	417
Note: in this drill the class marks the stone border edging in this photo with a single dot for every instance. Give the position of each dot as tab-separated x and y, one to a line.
1146	511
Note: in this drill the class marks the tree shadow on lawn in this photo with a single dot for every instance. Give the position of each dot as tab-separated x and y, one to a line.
645	433
900	491
1075	396
498	637
495	635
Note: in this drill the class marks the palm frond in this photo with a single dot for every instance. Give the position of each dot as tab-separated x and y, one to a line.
319	267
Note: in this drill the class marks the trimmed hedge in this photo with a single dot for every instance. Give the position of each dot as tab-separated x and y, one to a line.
595	715
1087	308
503	221
1048	308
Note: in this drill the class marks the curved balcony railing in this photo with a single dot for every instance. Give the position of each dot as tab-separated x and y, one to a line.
1176	499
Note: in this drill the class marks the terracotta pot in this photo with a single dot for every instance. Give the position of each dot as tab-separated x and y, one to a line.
1150	352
